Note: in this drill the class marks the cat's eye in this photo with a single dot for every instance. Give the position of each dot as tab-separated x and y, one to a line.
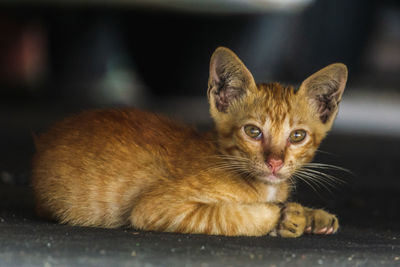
253	131
297	136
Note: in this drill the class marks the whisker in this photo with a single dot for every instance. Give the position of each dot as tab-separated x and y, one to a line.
329	177
301	178
320	179
317	180
311	180
249	176
230	163
325	152
228	167
326	166
242	169
292	185
222	156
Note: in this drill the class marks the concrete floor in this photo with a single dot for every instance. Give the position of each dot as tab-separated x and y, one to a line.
27	242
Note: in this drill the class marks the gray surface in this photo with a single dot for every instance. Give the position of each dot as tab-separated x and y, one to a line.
48	245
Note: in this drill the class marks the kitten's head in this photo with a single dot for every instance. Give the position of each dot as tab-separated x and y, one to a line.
269	130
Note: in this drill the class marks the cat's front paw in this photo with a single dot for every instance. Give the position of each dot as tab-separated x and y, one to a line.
321	222
293	220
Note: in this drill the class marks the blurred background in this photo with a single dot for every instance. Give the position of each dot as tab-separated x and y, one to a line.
60	57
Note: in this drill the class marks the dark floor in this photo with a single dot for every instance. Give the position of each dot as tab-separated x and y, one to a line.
367	206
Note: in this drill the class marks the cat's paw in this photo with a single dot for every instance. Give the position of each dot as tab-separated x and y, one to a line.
321	222
293	220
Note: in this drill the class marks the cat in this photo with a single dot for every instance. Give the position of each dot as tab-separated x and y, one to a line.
127	167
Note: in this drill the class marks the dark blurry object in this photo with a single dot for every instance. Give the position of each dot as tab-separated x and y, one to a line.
383	55
117	52
90	60
23	58
223	7
329	31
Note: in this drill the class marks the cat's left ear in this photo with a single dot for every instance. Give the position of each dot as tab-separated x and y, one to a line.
324	90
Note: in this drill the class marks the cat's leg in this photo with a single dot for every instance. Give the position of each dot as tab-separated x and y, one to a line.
231	219
292	222
320	222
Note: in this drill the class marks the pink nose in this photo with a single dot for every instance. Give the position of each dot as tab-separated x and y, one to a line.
274	164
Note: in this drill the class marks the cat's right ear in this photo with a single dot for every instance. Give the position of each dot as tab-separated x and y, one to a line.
229	79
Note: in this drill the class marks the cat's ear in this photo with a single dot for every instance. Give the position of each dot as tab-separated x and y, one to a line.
324	90
229	79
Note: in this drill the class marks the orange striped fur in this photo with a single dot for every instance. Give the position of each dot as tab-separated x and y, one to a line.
112	168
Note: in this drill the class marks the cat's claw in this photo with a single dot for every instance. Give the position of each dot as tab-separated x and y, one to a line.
330	231
293	221
321	231
321	222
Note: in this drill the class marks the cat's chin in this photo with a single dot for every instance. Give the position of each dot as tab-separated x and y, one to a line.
271	179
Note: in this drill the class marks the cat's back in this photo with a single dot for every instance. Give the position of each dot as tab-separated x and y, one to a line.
91	166
115	126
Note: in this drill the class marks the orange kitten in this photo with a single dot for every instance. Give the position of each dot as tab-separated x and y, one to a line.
111	168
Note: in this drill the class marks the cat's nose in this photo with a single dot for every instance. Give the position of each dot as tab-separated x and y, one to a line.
274	164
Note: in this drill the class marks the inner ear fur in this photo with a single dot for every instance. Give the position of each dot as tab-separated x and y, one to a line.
324	89
229	79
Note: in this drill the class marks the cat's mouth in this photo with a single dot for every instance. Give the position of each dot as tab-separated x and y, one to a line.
271	178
